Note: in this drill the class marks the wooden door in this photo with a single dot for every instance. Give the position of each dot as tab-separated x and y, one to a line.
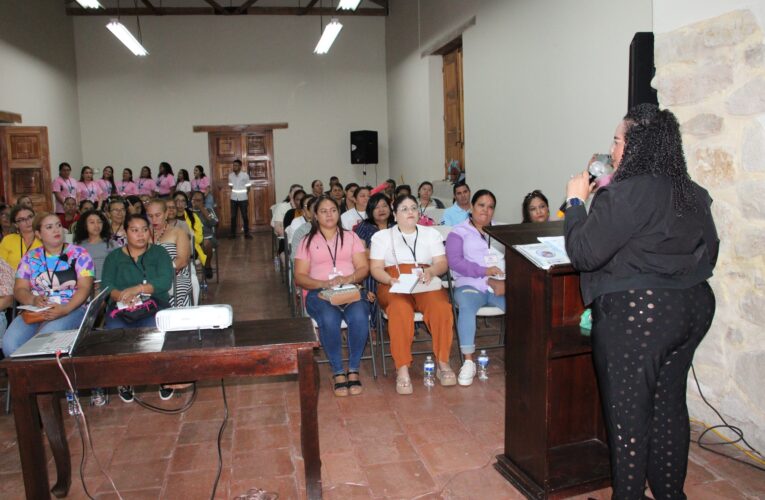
25	163
255	150
454	117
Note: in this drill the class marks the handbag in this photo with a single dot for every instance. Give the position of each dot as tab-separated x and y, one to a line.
138	312
32	317
346	294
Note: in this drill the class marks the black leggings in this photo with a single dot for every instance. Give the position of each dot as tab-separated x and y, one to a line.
643	345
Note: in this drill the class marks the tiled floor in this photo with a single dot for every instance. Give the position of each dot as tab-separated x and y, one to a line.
433	444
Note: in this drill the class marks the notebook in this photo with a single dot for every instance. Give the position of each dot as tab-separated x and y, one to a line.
47	344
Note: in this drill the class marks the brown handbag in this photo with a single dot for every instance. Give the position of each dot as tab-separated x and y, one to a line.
341	297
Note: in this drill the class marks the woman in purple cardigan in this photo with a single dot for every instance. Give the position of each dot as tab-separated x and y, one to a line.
478	272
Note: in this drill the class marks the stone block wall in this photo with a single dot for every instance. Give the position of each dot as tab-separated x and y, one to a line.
711	74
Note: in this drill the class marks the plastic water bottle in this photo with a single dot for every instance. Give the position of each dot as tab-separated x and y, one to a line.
98	397
483	365
277	263
71	402
430	370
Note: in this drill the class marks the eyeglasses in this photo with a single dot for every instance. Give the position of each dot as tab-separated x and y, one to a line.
25	219
406	209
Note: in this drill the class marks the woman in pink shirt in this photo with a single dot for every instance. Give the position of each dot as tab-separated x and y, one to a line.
201	183
146	184
87	188
106	183
64	186
126	187
329	257
165	180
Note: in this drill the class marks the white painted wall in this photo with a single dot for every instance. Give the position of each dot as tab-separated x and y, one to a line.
38	73
545	86
216	71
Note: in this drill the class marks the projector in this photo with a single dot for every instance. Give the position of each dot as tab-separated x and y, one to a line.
209	317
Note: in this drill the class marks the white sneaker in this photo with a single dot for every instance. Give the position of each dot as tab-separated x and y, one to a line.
467	373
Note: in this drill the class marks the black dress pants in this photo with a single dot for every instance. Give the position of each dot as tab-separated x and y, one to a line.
242	206
643	345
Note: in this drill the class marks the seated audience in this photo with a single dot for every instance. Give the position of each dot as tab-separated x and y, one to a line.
399	250
425	195
93	235
348	203
209	223
535	207
182	182
106	183
317	188
280	210
478	276
176	241
165	180
299	232
15	246
330	257
378	217
127	187
87	188
6	294
62	186
403	190
201	183
146	185
336	193
351	218
86	205
55	275
194	223
25	201
116	211
296	209
6	226
390	189
70	214
460	211
135	205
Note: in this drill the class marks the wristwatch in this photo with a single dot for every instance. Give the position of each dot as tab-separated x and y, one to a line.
574	202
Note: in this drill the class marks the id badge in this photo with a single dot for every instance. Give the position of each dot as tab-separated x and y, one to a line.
491	260
334	274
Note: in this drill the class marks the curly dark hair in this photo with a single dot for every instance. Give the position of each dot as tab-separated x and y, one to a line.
653	145
81	229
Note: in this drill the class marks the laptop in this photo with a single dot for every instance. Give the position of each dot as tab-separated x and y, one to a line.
47	344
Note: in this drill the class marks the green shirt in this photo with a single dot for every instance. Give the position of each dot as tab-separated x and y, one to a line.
155	266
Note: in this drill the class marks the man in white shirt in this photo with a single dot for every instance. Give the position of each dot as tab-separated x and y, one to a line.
461	208
240	185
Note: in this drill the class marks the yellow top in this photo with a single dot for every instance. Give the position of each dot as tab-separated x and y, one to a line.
198	237
12	249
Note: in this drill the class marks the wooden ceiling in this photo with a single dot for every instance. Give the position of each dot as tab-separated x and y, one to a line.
113	8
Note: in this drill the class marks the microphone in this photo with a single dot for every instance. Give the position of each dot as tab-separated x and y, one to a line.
598	170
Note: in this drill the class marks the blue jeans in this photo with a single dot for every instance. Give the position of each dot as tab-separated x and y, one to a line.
19	331
469	301
329	317
116	323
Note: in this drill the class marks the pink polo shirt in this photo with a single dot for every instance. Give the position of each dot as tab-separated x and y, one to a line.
66	186
146	186
106	187
89	191
200	184
165	184
319	255
126	188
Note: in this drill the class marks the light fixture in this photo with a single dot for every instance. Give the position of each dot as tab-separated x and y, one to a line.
126	37
348	4
328	37
89	4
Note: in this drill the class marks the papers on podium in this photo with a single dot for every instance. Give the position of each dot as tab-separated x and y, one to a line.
550	251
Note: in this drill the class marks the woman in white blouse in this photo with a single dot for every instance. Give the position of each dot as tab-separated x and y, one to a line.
408	248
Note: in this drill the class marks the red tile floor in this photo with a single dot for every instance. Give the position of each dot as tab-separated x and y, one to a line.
433	444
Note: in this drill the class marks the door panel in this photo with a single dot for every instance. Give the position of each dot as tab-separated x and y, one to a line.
26	165
453	109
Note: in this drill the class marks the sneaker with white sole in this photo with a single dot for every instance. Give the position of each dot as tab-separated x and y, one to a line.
126	393
165	393
467	373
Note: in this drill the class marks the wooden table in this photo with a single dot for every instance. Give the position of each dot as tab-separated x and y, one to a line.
145	356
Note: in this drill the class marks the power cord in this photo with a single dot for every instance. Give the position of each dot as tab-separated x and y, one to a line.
751	453
171	411
220	436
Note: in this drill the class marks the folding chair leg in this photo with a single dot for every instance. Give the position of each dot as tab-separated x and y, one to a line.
381	340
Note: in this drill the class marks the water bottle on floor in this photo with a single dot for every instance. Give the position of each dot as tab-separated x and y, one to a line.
483	365
71	403
277	263
429	369
97	397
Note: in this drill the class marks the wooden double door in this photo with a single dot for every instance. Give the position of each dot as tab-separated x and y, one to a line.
25	165
255	150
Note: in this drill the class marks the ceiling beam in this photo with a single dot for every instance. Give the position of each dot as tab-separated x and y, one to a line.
308	7
216	6
381	3
151	7
246	5
209	11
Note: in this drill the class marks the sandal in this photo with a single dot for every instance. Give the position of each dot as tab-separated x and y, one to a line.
404	385
354	386
446	377
340	386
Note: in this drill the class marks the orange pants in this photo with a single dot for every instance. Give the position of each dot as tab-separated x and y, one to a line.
400	308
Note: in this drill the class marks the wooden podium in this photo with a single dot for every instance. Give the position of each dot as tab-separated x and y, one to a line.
555	442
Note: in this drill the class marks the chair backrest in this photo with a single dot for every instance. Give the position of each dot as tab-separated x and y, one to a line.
443	230
437	214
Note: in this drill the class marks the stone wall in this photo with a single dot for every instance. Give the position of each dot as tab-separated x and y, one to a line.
711	74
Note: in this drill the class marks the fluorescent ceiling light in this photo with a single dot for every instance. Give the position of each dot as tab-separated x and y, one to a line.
89	4
348	4
328	37
125	36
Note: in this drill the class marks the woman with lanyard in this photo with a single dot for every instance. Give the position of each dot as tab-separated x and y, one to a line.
327	258
106	183
201	183
425	193
351	218
126	187
15	246
478	272
63	186
116	211
165	180
57	276
87	188
146	185
408	248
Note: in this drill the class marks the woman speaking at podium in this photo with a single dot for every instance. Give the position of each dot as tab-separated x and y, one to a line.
645	251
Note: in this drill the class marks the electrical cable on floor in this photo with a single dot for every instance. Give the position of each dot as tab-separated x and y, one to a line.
86	432
171	411
220	436
751	453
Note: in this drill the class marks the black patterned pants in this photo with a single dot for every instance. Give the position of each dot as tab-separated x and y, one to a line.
643	345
